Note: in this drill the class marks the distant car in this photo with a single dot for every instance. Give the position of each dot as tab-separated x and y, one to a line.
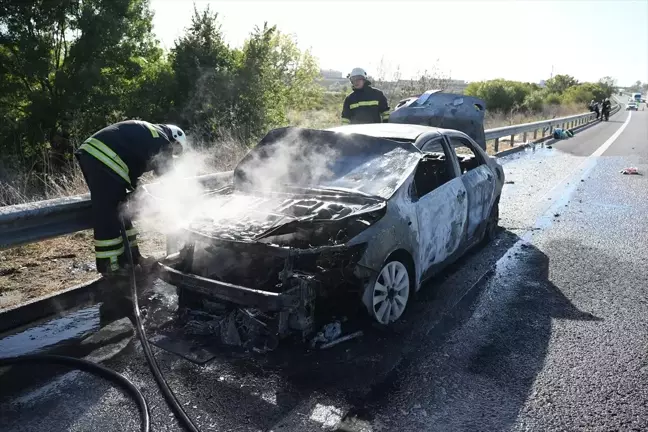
632	106
365	212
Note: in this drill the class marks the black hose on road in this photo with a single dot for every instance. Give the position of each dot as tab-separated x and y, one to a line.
170	397
111	375
93	368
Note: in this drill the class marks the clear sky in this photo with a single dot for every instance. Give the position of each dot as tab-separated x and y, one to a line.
518	40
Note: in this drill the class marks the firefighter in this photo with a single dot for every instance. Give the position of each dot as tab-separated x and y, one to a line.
112	161
365	104
606	106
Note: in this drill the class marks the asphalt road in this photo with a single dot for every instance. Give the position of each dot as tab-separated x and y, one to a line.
544	329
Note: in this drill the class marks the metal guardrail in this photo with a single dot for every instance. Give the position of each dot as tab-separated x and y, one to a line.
543	127
41	220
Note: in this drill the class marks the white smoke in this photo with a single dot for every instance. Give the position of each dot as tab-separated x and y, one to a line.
176	199
291	161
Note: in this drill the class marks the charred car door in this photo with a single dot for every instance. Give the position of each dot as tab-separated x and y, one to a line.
478	179
441	206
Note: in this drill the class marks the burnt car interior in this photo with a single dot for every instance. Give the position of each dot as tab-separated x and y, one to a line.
467	157
444	110
434	169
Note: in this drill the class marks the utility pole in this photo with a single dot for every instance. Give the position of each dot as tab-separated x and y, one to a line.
551	72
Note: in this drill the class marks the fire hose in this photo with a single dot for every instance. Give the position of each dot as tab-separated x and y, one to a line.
115	377
169	396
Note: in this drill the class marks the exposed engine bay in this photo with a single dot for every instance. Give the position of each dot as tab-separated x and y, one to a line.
254	276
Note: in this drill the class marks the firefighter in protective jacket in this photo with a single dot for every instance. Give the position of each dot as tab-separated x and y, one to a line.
112	161
366	104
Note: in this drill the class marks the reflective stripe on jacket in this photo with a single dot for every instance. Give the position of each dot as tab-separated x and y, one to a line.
365	105
127	148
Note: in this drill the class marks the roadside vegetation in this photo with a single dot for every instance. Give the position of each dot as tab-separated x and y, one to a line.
69	68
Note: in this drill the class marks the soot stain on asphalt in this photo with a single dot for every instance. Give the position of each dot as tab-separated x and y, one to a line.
497	337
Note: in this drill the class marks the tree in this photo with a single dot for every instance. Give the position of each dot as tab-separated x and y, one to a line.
298	72
257	85
584	93
499	94
67	66
607	85
204	68
534	101
273	75
636	87
560	83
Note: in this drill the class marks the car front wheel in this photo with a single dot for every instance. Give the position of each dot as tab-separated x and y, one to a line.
390	292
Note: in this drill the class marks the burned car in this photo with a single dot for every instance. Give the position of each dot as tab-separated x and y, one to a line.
359	215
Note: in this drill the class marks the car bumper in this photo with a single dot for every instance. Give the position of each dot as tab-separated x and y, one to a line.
223	291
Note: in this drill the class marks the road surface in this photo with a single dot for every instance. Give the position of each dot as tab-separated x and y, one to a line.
544	329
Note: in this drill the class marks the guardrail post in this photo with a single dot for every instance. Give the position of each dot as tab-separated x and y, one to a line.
524	137
496	145
535	134
512	140
544	130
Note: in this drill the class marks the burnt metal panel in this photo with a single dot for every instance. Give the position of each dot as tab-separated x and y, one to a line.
249	297
444	110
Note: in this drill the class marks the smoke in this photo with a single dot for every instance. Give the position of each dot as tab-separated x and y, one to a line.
167	204
179	199
294	160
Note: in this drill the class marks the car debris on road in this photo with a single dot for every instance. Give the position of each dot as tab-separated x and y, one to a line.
630	171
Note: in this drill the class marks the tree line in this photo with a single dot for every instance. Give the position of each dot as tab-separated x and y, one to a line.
70	67
507	96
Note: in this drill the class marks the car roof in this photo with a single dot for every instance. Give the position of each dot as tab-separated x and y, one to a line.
394	131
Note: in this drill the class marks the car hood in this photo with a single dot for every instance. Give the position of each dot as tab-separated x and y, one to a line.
303	218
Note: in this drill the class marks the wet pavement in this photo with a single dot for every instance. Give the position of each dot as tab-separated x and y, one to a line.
543	329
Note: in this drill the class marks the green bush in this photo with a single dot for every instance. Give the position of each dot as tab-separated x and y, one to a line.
506	96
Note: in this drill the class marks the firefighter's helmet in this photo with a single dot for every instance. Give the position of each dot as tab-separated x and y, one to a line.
178	136
358	72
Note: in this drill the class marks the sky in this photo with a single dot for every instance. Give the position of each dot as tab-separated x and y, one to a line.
471	41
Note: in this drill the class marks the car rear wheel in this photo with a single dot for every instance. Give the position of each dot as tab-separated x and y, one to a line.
390	292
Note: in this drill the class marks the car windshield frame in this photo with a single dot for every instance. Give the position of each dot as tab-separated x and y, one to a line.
311	158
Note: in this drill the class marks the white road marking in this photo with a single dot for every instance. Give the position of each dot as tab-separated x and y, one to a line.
606	145
569	185
588	160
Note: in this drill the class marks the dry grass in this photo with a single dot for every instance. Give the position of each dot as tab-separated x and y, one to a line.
19	188
494	120
319	119
498	119
43	268
38	269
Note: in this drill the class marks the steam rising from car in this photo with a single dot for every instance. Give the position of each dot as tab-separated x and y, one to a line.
177	198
